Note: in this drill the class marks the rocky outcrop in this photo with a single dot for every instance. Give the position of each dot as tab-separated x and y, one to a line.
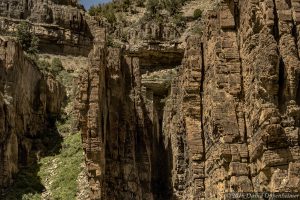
226	121
251	133
121	122
62	26
183	127
29	103
149	33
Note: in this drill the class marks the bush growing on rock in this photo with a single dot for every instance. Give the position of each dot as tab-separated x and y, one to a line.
179	20
197	14
110	16
56	66
125	5
172	6
43	65
94	10
27	39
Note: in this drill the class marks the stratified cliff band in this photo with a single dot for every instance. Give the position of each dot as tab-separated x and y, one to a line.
167	114
227	122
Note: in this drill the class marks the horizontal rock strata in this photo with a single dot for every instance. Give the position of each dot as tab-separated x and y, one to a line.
62	26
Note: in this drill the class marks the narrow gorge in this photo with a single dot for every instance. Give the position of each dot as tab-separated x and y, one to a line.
181	106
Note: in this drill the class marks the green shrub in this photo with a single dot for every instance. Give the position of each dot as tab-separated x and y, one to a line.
93	10
110	16
27	39
34	45
125	5
31	196
65	78
197	30
110	41
43	65
158	18
197	14
172	6
153	6
56	66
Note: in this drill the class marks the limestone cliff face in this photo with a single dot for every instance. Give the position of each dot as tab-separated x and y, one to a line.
29	102
183	127
225	119
120	124
250	102
62	26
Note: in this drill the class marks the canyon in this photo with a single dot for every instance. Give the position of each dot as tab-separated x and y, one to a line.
168	114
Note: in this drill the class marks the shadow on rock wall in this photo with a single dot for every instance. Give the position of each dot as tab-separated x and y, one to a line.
27	183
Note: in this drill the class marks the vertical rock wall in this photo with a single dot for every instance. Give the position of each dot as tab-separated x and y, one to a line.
121	123
226	165
29	101
250	109
183	128
270	69
110	131
229	122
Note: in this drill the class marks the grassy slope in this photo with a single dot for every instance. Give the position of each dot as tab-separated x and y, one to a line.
54	175
60	172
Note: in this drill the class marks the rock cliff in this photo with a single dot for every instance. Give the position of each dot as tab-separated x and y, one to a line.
121	122
164	112
220	117
29	104
62	26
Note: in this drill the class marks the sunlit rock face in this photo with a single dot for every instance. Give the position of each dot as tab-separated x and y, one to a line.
222	117
62	26
160	119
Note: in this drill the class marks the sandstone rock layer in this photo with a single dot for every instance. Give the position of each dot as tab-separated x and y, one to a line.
62	26
228	121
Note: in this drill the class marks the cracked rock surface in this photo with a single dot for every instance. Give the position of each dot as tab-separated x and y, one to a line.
173	115
227	122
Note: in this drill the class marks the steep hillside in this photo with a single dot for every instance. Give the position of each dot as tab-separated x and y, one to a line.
138	24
